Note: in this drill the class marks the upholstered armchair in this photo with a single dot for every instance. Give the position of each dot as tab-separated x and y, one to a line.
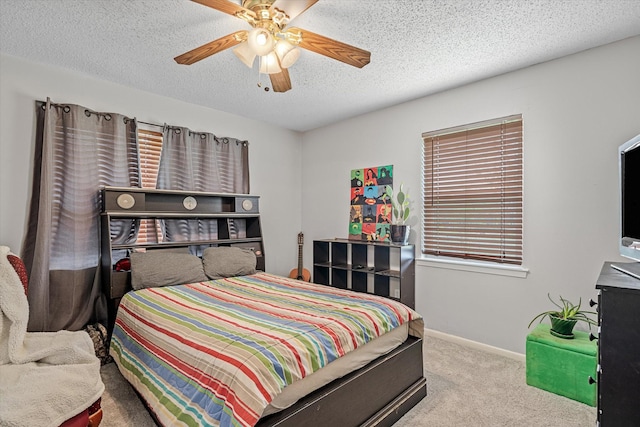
46	378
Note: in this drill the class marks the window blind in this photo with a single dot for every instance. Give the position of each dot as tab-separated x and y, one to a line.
149	149
473	191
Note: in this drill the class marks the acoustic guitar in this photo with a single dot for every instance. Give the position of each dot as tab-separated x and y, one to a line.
300	273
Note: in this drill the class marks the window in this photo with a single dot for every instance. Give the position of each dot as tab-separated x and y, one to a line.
473	191
149	148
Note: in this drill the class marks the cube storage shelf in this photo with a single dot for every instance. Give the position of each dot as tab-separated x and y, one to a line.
378	268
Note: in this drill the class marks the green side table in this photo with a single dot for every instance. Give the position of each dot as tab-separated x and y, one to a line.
562	366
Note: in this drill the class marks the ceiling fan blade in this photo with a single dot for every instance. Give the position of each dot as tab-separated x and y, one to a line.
211	48
293	8
332	48
280	82
225	6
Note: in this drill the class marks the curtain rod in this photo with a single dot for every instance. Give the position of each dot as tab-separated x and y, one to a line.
95	112
150	124
163	126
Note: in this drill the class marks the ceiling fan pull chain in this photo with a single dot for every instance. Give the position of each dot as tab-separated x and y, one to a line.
259	73
260	59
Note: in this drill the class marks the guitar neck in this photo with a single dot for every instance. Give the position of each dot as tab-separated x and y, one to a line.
300	260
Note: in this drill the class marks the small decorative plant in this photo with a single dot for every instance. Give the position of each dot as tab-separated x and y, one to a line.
564	319
400	204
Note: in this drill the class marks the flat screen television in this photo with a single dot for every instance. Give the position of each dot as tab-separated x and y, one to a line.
629	171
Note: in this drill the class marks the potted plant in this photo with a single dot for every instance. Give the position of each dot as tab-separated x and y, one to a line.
401	211
564	319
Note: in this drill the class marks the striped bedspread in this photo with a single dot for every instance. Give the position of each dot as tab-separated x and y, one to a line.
217	352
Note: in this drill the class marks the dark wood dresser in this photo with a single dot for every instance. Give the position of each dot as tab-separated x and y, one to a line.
618	348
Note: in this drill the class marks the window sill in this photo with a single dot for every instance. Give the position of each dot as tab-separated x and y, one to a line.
473	266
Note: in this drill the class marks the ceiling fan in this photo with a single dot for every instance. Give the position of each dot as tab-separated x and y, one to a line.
271	41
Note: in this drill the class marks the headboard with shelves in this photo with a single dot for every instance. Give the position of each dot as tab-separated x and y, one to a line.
236	218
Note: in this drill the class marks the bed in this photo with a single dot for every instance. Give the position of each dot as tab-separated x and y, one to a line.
262	349
214	340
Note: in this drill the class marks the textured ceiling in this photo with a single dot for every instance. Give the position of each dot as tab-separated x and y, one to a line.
418	47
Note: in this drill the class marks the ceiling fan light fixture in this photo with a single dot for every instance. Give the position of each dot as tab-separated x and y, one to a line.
287	53
269	64
269	21
245	54
260	41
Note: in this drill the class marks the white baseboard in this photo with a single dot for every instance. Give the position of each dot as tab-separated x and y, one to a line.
474	344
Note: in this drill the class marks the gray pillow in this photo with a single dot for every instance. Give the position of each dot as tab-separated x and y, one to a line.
159	268
228	261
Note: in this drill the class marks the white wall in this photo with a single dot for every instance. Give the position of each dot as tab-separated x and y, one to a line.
577	110
22	83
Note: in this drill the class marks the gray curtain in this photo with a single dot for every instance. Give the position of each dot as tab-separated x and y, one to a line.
199	161
77	152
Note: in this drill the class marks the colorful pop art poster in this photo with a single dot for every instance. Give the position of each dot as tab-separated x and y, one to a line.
370	210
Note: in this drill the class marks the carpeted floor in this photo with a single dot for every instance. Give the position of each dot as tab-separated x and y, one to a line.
466	386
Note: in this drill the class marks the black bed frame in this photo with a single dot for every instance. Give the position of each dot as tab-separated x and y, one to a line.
378	394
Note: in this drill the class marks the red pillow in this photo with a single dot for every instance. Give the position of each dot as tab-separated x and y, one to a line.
19	267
